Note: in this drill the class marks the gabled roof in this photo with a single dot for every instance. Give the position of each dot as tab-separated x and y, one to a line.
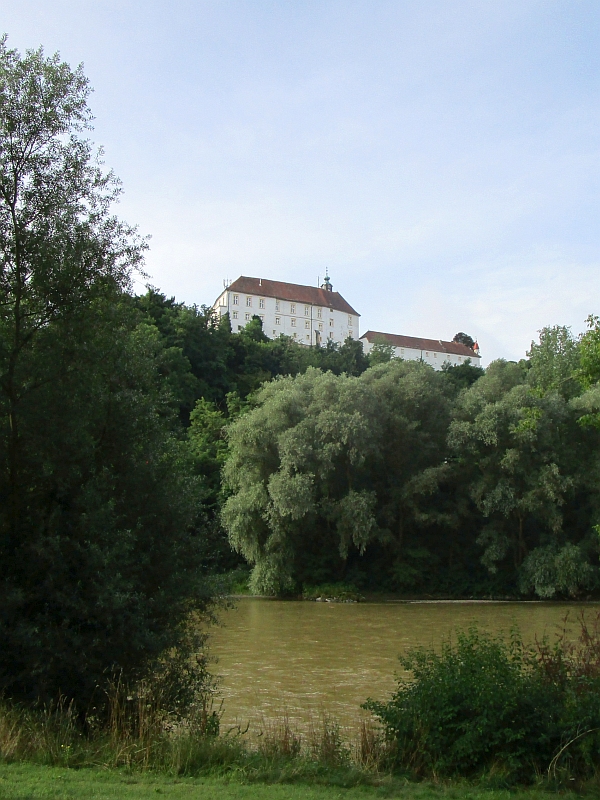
292	292
413	342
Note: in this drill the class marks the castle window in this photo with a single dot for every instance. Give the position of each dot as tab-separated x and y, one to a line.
349	319
236	299
350	334
277	320
308	337
319	313
235	314
306	311
247	317
331	323
320	326
295	335
435	355
249	301
223	300
307	323
277	305
331	334
293	322
292	308
262	319
261	303
274	333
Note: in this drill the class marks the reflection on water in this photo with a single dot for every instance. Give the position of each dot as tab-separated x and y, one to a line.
306	658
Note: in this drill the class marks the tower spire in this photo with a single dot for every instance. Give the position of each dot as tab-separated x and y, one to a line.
326	282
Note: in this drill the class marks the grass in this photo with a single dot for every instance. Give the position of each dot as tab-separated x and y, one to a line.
35	782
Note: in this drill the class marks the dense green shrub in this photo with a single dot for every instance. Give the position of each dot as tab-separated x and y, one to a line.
484	703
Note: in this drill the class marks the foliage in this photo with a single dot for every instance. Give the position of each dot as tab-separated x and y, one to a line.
462	375
484	703
520	454
333	592
100	525
464	338
381	353
554	362
323	465
551	570
206	360
589	353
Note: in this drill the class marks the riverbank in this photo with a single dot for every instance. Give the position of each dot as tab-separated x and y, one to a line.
23	781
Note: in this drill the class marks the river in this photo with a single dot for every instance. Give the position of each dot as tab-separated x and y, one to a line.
305	658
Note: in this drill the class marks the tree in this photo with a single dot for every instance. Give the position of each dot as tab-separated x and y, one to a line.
461	376
464	338
325	465
99	536
554	362
516	452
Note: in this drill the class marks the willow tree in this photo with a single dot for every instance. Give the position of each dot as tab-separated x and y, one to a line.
324	465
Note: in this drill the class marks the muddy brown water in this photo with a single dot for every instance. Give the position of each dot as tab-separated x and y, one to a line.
304	659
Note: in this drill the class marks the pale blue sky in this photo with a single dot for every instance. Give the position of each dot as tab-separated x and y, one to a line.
442	159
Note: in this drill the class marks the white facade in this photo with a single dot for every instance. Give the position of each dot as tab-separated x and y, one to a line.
434	352
310	319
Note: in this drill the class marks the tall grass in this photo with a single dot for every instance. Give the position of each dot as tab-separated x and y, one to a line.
139	733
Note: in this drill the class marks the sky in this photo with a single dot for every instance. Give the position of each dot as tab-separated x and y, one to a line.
440	159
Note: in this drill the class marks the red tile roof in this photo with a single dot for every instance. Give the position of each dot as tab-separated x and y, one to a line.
292	292
413	342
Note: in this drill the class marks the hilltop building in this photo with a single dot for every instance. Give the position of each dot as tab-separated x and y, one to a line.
308	314
313	315
433	351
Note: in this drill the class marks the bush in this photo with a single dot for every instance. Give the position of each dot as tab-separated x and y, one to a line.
484	703
334	592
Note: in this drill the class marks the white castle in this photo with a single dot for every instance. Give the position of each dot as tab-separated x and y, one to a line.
313	315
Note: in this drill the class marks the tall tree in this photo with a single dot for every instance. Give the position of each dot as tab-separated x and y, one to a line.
324	465
99	543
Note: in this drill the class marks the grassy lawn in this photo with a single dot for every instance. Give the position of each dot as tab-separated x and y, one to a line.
29	782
